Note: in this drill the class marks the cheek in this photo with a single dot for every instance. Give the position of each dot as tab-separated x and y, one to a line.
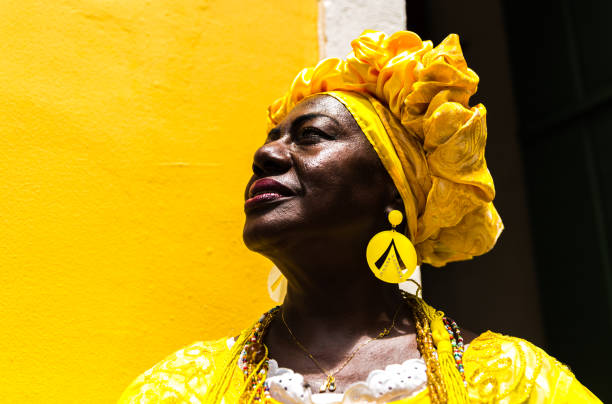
345	175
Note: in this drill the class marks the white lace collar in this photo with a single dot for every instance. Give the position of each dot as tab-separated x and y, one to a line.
395	382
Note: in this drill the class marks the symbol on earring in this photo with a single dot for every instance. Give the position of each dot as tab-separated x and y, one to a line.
390	255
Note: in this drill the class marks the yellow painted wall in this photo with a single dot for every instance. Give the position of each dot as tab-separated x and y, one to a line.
127	129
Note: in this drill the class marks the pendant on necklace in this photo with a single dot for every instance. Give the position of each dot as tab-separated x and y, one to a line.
328	384
332	384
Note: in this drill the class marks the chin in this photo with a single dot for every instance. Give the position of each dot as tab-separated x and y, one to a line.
267	231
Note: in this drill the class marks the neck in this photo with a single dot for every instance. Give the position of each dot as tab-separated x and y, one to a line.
359	304
331	290
349	299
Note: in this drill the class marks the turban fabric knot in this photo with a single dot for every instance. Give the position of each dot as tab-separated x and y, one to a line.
411	101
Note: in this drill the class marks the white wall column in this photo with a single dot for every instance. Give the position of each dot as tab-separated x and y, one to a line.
341	21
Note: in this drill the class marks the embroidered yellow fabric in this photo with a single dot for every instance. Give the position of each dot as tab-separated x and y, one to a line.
498	368
414	109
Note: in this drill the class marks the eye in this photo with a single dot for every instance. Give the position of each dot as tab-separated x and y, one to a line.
311	135
273	135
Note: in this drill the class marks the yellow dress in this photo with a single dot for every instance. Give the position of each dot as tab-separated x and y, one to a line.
498	369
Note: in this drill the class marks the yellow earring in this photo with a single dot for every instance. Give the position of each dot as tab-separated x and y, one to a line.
277	285
391	255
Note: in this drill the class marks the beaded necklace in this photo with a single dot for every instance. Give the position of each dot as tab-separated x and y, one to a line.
253	360
457	342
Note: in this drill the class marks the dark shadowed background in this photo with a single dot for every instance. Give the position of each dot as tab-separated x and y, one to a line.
546	80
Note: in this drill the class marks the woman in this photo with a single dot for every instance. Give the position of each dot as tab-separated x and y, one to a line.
382	141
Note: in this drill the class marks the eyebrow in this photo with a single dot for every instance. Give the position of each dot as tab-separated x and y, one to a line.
300	119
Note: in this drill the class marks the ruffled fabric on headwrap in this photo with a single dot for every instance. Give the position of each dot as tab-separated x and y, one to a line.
420	94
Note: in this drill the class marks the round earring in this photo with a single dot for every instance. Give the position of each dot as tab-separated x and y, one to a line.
391	255
277	285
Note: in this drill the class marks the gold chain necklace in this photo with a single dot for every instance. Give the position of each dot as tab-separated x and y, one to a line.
330	381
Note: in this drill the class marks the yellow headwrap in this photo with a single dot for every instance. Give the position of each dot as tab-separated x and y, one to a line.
411	102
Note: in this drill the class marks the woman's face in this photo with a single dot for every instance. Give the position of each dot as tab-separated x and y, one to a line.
315	178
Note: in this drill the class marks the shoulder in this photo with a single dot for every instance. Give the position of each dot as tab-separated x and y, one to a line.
507	369
185	373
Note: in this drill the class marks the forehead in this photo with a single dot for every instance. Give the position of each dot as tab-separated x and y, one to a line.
321	104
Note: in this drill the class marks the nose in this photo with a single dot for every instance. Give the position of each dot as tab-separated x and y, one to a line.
272	158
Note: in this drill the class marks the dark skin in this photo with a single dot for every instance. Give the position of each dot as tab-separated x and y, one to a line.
317	237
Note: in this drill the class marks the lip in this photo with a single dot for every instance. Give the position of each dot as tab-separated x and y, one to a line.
264	192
